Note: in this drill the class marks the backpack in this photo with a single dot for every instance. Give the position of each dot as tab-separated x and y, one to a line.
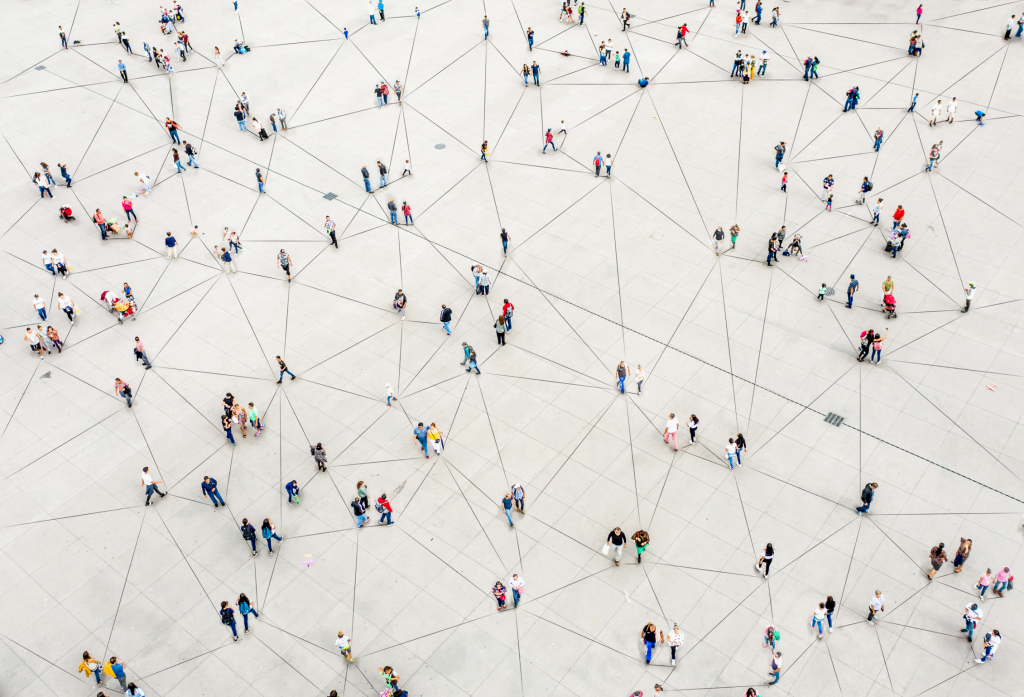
247	532
244	607
870	186
225	616
267	533
379	507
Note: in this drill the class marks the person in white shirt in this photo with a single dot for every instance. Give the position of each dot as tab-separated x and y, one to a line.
40	305
730	451
640	377
517	585
390	392
671	428
936	112
48	262
972	613
144	180
763	67
345	644
151	485
818	620
991	644
692	425
951	111
675	640
969	293
60	263
67	306
876	605
35	342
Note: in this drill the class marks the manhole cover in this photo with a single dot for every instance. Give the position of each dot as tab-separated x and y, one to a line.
40	67
330	196
439	146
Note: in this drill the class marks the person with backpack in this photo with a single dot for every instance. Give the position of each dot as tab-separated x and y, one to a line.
865	187
359	509
383	507
269	532
867	496
471	356
249	534
446	318
227	617
245	607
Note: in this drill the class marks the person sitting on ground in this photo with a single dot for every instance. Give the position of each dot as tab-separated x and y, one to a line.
643	82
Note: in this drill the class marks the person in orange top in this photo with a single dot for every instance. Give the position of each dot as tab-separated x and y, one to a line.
101	222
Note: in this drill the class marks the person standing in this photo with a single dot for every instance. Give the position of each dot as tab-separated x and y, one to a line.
393	210
40	306
359	509
384	508
400	302
876	347
259	178
672	427
692	425
675	640
209	487
249	534
229	264
64	43
818	619
227	617
225	424
776	667
446	318
621	371
122	70
719	240
766	558
913	102
920	9
529	37
115	669
284	262
639	377
292	489
597	164
373	13
649	633
140	354
991	644
499	329
519	498
499	593
380	8
866	497
641	539
608	164
407	211
616	539
876	605
780	152
487	27
937	557
506	503
951	111
517	585
969	296
852	288
535	69
383	174
962	552
150	485
936	112
972	613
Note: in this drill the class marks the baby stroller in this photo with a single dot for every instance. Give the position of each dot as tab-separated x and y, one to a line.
65	213
125	309
108	299
889	303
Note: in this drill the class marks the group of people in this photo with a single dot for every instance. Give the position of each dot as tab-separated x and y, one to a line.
237	415
361	504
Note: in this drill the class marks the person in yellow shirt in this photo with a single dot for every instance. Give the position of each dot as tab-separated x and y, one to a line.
90	666
436	438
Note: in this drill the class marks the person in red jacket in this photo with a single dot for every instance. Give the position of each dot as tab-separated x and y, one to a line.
549	139
506	310
407	212
897	217
384	91
384	508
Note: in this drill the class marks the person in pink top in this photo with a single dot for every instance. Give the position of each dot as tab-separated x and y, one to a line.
126	204
984	582
1002	578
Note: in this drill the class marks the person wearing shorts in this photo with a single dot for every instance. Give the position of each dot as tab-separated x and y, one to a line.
284	261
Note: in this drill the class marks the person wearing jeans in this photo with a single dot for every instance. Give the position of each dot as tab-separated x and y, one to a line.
269	533
386	505
971	616
649	634
517	589
866	497
507	503
776	667
620	372
818	619
209	487
227	616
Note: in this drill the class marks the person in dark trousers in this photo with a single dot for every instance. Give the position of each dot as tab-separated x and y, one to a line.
124	71
245	607
499	329
209	487
851	289
225	422
292	488
249	534
227	616
866	497
780	151
766	559
151	485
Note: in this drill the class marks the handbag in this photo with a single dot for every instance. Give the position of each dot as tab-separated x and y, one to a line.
605	549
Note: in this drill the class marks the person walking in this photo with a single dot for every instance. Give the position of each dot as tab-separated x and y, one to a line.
621	371
446	318
249	534
535	69
435	438
641	539
876	605
730	451
400	302
384	508
969	296
518	586
209	487
616	539
40	306
91	667
35	342
487	27
519	498
115	669
345	644
122	70
675	640
649	633
983	583
992	640
972	613
140	354
780	152
246	608
937	557
962	552
830	608
284	262
719	240
254	419
639	377
776	667
471	357
319	454
225	424
692	425
227	617
123	390
766	558
672	427
818	619
851	289
549	139
936	112
359	509
1002	581
259	178
485	283
393	210
506	503
499	329
269	533
866	497
876	347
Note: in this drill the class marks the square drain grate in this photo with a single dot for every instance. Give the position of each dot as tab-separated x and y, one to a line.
330	196
834	419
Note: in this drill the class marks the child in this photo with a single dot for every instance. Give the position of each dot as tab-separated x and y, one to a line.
406	170
785	178
617	59
292	488
821	293
828	204
390	392
345	645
